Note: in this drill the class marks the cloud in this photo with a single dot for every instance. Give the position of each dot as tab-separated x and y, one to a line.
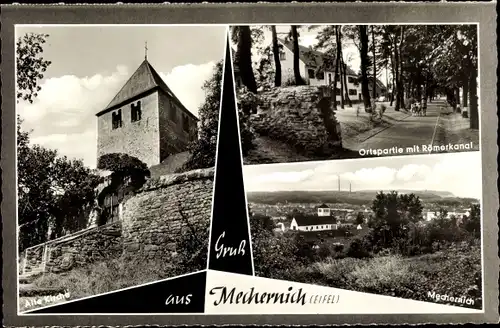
62	117
285	177
376	176
186	83
413	172
76	145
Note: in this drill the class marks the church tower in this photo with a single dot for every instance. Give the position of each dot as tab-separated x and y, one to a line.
145	120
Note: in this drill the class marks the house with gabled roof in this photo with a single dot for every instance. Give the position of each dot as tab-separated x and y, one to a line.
320	222
323	210
313	223
310	61
145	120
381	89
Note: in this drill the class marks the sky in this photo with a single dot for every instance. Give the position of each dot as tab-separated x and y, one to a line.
458	173
91	63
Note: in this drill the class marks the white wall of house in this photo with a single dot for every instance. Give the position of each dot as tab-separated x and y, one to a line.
433	215
319	227
323	211
294	225
286	61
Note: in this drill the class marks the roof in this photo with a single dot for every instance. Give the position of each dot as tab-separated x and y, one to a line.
309	56
323	206
380	84
307	220
144	79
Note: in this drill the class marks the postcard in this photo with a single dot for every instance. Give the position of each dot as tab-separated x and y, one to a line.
222	164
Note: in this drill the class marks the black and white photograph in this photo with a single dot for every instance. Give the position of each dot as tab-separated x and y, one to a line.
321	92
406	226
117	130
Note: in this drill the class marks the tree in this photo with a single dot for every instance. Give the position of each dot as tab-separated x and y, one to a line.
337	69
374	62
276	55
203	149
124	166
392	214
360	218
242	36
344	81
363	37
30	65
296	55
53	191
472	223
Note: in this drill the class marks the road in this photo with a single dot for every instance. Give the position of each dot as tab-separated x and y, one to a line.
410	131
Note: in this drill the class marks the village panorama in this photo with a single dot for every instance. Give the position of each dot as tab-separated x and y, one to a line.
404	227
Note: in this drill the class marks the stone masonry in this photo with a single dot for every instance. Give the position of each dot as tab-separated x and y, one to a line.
82	247
151	223
95	244
139	139
299	116
152	220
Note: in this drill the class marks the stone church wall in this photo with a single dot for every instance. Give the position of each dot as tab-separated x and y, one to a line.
299	116
152	220
173	138
140	139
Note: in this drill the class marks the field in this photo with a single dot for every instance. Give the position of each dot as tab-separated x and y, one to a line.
454	272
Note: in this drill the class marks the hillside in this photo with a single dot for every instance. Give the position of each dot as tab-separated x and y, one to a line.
363	197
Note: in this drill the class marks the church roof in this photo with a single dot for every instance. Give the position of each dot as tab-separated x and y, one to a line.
307	220
144	79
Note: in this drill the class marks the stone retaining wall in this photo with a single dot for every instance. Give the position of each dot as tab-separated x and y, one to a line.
151	223
33	257
163	209
85	247
299	116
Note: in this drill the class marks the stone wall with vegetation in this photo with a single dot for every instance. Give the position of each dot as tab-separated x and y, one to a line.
33	257
164	213
165	209
84	247
77	249
299	116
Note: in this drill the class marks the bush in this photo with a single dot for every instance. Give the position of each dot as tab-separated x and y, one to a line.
465	114
388	275
289	82
357	249
247	104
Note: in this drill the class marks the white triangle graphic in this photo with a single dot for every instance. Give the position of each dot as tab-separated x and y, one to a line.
317	299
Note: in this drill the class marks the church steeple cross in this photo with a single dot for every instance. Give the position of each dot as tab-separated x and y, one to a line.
146	50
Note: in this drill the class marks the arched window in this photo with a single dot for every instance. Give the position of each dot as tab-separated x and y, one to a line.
116	119
136	111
